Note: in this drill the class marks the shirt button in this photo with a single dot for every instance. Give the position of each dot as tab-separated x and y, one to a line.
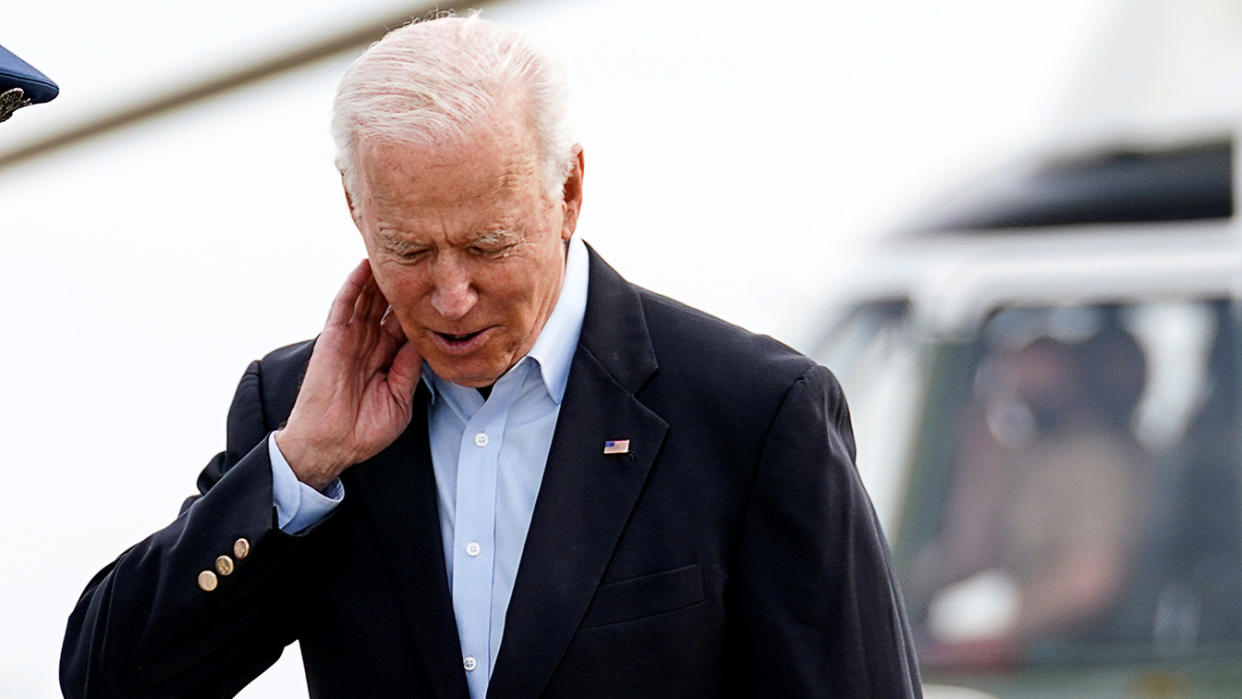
469	663
473	548
480	439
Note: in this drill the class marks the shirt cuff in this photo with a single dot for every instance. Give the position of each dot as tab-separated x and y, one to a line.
298	505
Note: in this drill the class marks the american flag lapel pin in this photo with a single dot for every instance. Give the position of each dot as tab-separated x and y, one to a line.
617	446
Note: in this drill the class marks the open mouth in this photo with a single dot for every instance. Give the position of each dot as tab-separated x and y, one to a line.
460	343
459	339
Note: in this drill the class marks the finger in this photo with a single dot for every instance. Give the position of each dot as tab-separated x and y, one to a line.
366	299
378	304
343	305
404	372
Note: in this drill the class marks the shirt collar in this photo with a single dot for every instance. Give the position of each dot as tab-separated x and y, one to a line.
553	351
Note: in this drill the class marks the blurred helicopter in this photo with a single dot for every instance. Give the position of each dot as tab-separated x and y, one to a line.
1044	373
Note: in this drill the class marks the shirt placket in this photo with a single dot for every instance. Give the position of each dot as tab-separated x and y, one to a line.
474	539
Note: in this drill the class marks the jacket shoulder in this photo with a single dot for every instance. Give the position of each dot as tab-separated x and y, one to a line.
713	354
280	376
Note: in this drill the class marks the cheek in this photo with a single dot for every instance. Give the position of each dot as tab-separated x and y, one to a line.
384	281
401	288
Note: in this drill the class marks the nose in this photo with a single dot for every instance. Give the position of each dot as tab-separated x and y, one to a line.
454	294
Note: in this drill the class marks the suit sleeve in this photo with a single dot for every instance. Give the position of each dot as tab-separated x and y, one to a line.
144	627
822	611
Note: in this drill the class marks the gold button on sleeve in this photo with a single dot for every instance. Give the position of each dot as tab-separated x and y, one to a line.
241	548
224	565
207	580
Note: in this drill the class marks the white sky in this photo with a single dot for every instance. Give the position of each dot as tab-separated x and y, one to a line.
736	159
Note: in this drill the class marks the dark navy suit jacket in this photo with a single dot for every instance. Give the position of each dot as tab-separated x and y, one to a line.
731	552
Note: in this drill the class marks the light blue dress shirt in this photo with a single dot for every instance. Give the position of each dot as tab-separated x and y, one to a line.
488	459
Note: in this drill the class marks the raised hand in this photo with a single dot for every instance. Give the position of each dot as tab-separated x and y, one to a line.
358	392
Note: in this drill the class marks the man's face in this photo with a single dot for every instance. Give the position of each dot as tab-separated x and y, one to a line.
466	245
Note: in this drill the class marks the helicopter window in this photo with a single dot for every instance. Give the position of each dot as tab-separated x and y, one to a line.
1088	502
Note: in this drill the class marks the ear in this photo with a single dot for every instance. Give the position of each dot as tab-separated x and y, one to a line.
571	203
349	200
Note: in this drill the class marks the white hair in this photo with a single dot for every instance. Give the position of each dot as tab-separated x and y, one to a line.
441	77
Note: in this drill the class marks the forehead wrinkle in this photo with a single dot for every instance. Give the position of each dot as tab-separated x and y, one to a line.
516	177
508	187
497	156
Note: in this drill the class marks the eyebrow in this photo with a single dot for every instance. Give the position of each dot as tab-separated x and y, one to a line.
396	244
401	246
493	237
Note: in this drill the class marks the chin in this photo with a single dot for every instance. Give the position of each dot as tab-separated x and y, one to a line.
470	380
465	376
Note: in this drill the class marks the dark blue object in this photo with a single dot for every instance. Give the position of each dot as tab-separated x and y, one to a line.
21	85
14	72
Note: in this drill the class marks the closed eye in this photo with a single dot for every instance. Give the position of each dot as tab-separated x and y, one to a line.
491	250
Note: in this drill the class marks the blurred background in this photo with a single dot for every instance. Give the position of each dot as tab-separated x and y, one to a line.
966	208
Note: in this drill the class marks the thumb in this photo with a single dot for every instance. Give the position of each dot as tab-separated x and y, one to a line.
404	371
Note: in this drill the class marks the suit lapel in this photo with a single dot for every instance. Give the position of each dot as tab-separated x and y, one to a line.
586	496
399	490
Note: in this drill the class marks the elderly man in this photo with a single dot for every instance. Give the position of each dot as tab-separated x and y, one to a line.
501	470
